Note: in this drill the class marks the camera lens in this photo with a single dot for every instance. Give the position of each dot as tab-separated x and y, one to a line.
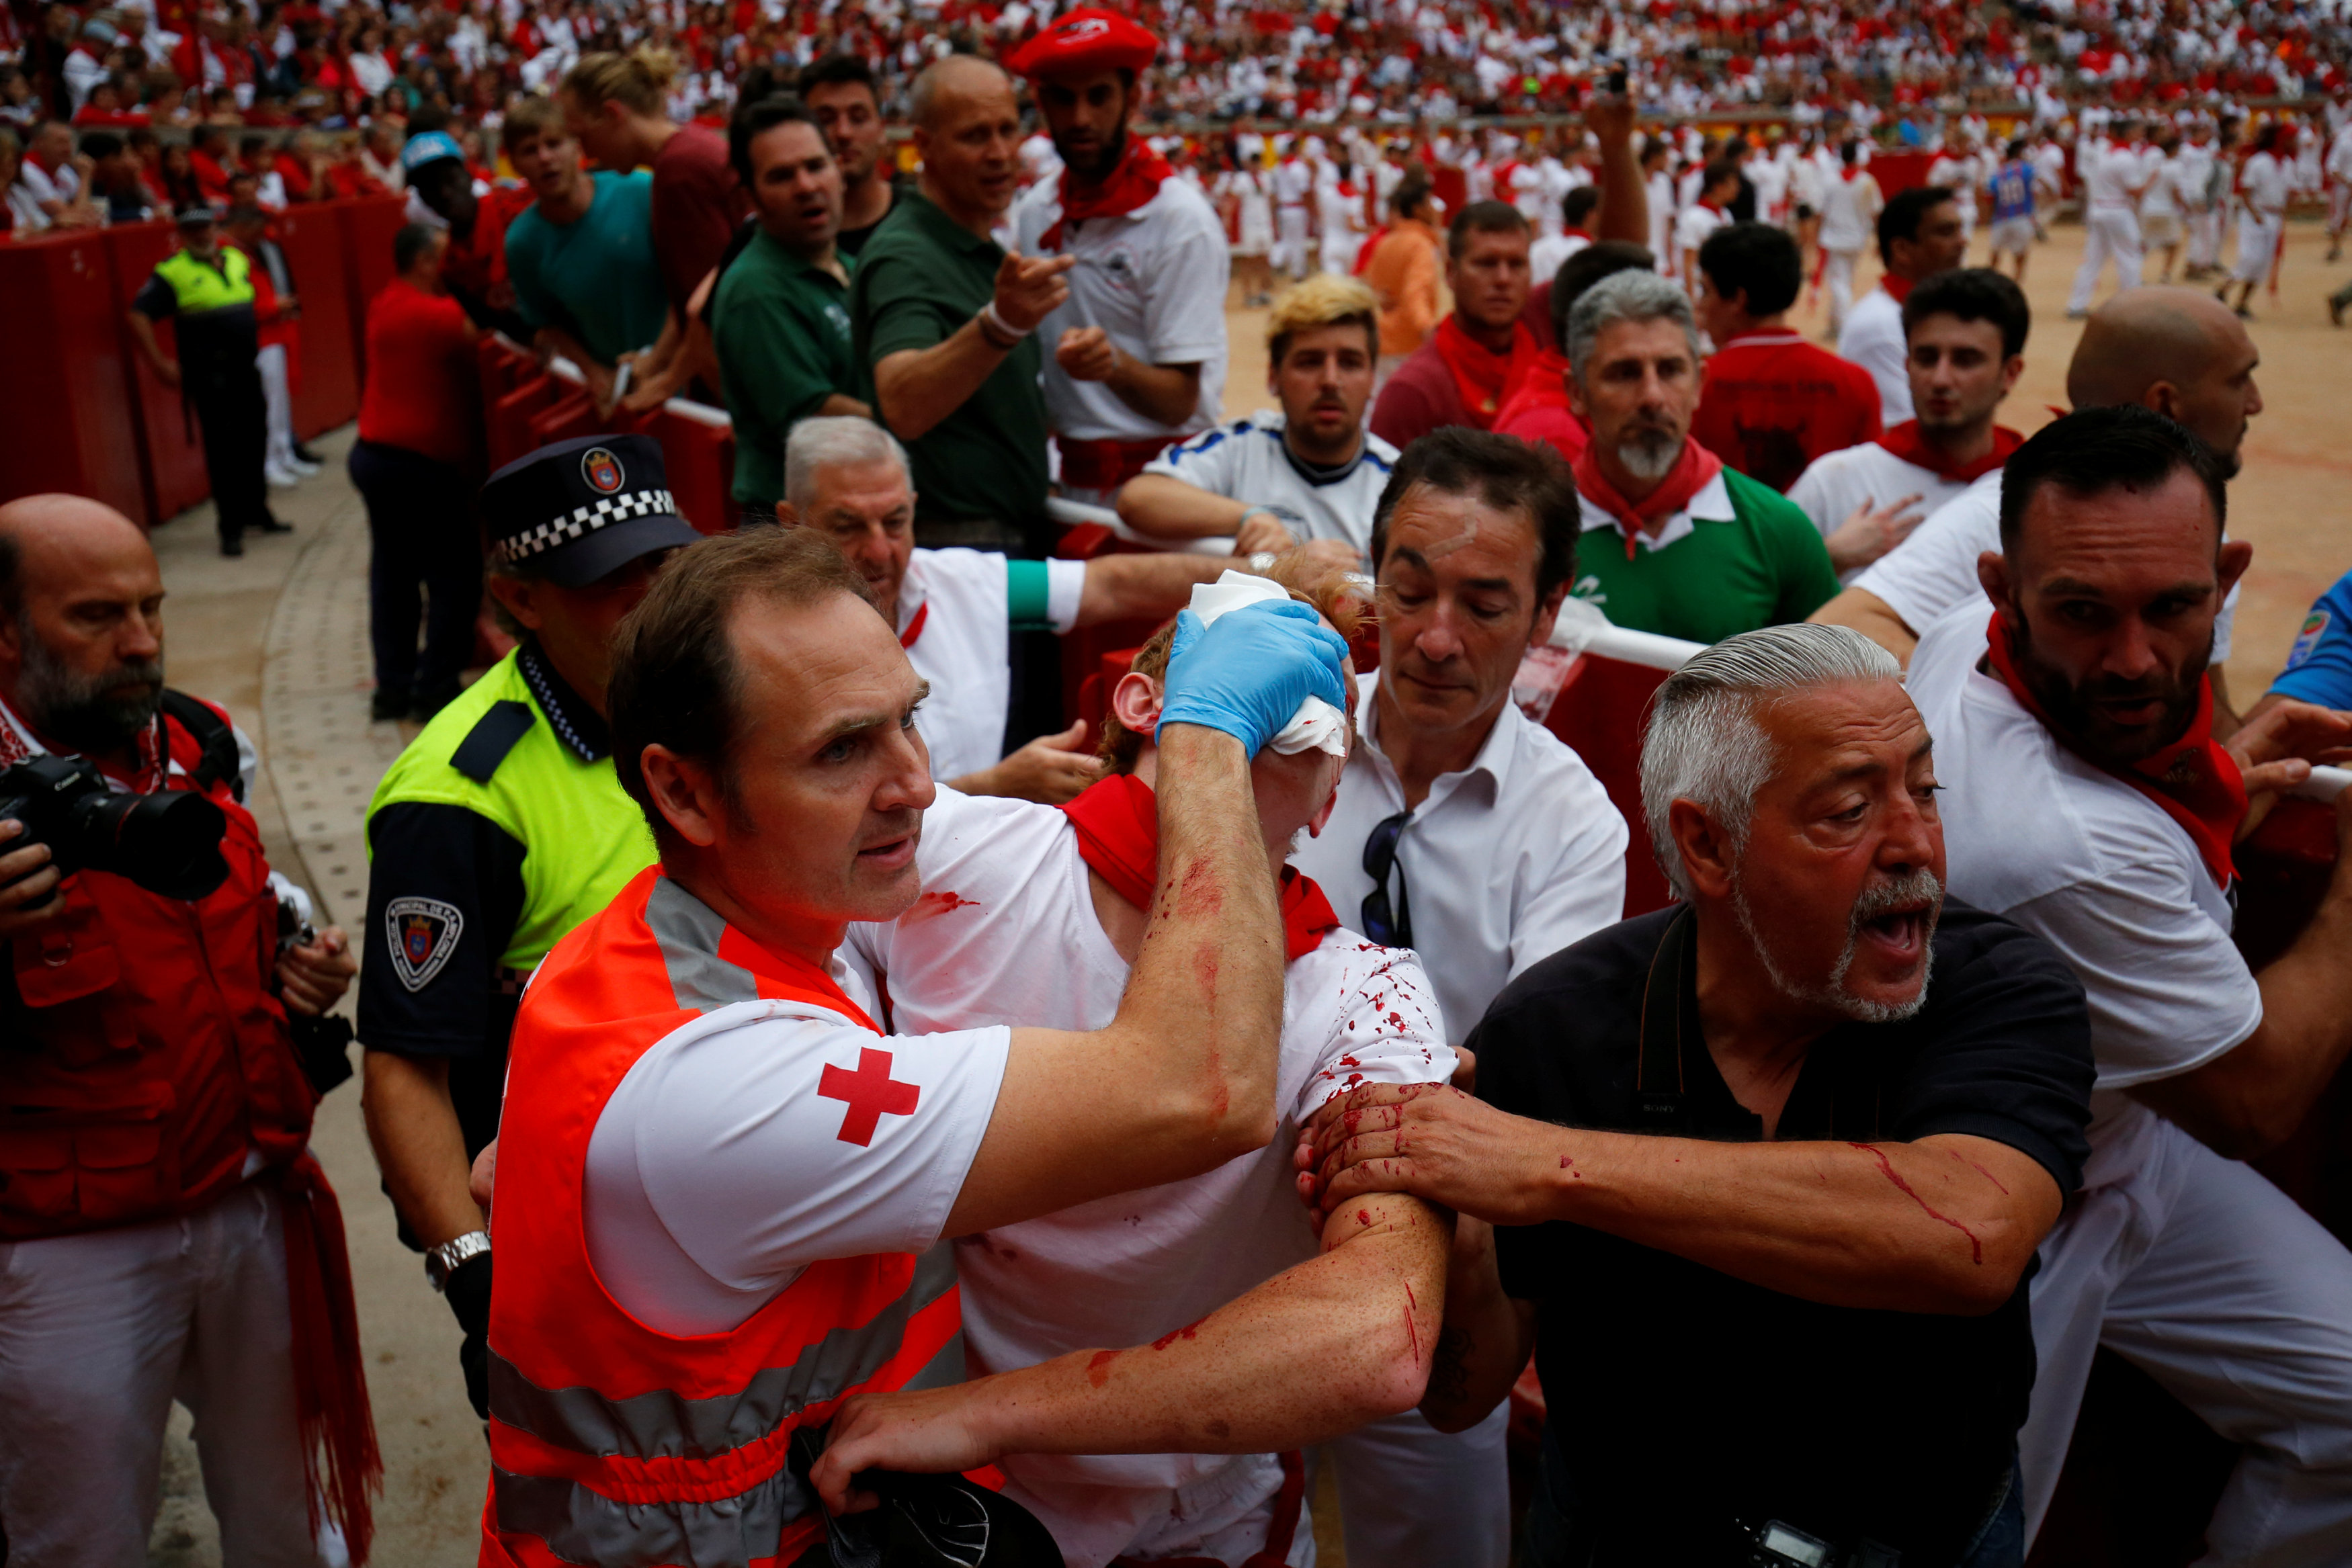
168	842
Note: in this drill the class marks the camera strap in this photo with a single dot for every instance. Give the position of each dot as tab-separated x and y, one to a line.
215	739
1660	1096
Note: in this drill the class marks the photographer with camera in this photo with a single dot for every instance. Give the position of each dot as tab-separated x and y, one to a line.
164	1231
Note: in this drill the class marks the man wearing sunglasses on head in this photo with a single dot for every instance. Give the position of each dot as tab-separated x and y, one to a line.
1461	829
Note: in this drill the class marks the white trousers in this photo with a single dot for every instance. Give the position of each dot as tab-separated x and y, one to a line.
2258	242
1837	273
98	1334
1339	251
280	401
2213	1281
1289	254
1413	1496
2205	237
2110	235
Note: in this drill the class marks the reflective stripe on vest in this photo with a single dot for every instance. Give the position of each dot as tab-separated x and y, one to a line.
199	287
612	1444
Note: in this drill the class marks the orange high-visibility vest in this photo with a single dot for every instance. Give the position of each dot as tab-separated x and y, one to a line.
611	1443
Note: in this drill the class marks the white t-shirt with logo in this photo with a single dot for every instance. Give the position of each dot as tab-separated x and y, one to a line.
1247	460
954	620
1934	571
1154	279
1006	933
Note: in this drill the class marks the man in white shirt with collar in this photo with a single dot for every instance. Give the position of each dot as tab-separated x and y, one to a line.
1966	331
1920	236
955	608
2086	798
1280	478
1463	831
1138	354
2170	350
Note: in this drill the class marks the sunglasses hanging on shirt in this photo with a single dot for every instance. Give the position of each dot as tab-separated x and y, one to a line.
1389	925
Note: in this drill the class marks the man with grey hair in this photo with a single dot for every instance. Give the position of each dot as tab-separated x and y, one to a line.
955	609
1768	1166
1674	541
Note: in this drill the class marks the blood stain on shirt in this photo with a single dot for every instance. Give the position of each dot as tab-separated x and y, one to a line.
933	905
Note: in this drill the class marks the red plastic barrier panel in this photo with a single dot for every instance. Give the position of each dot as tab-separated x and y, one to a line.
700	461
326	389
572	413
65	416
1900	171
1598	714
1083	651
1452	187
510	417
369	223
173	469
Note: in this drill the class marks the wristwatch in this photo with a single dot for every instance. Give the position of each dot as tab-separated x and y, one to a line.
441	1262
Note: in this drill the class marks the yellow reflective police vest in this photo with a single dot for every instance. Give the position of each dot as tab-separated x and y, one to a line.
583	838
200	287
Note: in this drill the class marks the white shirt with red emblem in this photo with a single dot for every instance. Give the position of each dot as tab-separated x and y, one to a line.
1154	279
1006	933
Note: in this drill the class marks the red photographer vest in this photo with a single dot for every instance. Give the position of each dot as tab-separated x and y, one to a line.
148	1054
613	1444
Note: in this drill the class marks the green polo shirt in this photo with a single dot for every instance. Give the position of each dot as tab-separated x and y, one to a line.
919	280
1763	565
782	325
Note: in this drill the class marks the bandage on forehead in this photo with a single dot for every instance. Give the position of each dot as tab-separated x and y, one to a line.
1317	724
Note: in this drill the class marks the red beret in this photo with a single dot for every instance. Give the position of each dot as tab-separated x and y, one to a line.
1087	40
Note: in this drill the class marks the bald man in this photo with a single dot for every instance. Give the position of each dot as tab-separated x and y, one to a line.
2176	350
154	1145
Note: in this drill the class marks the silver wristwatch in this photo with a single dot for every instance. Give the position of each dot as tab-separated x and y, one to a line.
441	1262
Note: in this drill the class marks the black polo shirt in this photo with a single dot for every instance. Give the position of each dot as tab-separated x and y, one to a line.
1686	1402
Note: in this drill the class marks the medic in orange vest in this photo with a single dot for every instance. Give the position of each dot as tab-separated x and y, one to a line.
722	1188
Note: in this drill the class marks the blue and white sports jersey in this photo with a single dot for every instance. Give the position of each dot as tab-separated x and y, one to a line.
2319	664
2013	190
1246	460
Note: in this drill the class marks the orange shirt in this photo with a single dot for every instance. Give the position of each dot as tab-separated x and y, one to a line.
1403	272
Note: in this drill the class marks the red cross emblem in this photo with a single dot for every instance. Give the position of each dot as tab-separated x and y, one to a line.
869	1092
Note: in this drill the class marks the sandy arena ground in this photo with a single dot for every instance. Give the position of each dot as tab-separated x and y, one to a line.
280	636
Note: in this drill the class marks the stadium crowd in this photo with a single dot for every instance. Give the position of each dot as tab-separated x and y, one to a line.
1080	1112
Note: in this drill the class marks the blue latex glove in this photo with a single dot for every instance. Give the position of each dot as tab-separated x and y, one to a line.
1246	673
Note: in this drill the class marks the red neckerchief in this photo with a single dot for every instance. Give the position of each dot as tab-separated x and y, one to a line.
1696	470
1117	823
1132	181
1906	442
2194	779
1584	234
1483	375
1899	288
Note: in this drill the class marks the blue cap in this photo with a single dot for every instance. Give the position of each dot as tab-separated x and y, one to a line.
429	147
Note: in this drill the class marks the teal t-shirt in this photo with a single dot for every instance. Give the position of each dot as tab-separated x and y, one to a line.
1763	566
594	279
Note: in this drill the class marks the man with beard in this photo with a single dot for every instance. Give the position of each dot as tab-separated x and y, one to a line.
2090	802
2170	350
1966	334
839	92
1766	1168
1138	358
1674	542
167	1234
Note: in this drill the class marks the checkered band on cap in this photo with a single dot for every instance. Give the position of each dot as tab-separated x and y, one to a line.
582	521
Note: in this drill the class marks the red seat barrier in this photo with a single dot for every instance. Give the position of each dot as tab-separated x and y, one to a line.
368	225
68	410
174	453
700	461
1598	714
1083	651
326	383
510	417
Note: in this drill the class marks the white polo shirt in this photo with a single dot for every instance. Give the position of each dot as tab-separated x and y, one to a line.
1154	279
1505	862
2107	185
1247	460
1836	482
1934	571
1696	221
956	612
1006	934
1872	337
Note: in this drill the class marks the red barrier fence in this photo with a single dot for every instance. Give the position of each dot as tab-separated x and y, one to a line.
94	419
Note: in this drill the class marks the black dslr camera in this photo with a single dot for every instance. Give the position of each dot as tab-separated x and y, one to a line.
167	842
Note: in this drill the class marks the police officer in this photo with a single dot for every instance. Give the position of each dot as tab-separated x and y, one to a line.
498	830
207	289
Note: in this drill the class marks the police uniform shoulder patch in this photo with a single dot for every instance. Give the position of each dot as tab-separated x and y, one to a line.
421	932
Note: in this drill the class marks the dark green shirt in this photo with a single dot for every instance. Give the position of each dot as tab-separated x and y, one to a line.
919	280
782	326
1763	565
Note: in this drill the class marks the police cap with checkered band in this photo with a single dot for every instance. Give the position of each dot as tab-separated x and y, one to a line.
581	509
